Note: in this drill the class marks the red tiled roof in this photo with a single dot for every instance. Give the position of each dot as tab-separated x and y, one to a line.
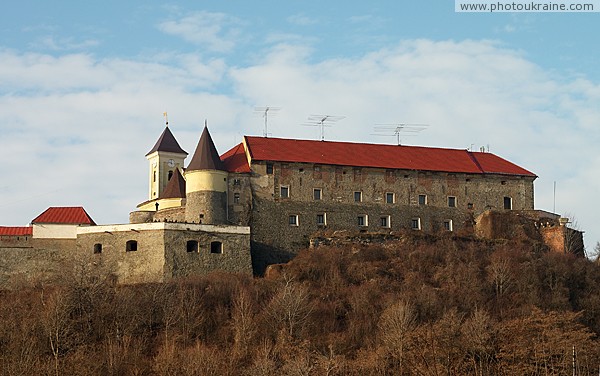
16	231
380	156
65	215
235	159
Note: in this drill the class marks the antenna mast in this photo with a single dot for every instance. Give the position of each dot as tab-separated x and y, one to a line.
264	111
322	121
398	128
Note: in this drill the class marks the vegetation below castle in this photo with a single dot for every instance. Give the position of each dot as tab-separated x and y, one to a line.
417	306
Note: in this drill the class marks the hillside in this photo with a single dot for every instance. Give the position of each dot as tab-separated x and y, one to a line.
420	305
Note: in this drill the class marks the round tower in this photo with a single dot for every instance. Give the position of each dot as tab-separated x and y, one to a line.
206	185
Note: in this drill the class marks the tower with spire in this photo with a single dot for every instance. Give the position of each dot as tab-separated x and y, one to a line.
164	159
206	184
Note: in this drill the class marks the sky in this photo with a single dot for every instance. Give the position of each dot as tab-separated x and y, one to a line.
84	85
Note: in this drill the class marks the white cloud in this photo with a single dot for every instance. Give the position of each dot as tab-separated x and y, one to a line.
215	31
301	20
81	138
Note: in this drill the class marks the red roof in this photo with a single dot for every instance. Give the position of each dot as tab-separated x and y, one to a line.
65	215
16	231
235	159
380	156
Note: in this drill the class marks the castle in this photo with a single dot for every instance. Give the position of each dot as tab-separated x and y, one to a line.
264	199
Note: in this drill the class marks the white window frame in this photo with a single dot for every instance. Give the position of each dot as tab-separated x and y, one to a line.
281	188
360	196
315	190
388	221
364	218
295	217
450	225
424	201
324	219
412	221
455	202
387	194
510	204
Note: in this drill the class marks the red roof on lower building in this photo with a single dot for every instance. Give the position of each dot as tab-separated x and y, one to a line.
75	215
380	156
16	231
235	159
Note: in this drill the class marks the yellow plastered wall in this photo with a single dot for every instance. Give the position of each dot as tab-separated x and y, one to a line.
206	180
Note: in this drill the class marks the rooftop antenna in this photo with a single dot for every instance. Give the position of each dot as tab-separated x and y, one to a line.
166	118
399	128
322	121
264	111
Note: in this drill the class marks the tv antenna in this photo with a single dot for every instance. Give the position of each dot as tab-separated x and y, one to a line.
399	128
322	121
264	112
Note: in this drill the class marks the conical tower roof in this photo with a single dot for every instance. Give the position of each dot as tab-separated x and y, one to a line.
167	142
175	187
206	156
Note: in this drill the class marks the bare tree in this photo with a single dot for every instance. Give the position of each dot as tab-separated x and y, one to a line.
396	322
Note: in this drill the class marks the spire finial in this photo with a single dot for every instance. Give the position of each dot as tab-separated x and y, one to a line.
206	123
166	118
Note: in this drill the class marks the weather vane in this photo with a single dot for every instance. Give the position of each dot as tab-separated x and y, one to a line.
166	118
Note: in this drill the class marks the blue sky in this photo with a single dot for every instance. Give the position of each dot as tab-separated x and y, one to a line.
83	86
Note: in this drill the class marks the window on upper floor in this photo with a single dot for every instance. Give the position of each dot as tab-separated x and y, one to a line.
385	221
448	225
269	168
293	220
170	174
422	200
507	203
131	246
451	201
236	198
97	248
317	194
284	191
192	246
321	219
357	196
390	198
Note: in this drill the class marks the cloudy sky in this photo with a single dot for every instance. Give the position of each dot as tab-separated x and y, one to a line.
83	88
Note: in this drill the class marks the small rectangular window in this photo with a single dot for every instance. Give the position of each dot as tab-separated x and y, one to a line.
389	198
236	182
131	246
284	191
448	225
97	248
384	221
362	220
216	247
293	220
192	246
269	168
357	196
507	203
416	223
321	219
470	205
317	194
451	201
236	198
422	200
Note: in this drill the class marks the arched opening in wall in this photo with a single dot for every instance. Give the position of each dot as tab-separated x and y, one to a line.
170	174
131	246
97	248
192	246
216	247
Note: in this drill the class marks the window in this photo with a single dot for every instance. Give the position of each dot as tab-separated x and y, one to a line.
385	221
448	225
470	205
293	220
321	219
451	201
236	198
154	175
507	203
389	198
503	182
269	168
415	224
192	246
422	200
216	247
170	174
363	220
284	191
357	196
317	194
131	246
237	182
317	174
97	248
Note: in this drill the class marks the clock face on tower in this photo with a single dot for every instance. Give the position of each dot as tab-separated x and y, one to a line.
171	163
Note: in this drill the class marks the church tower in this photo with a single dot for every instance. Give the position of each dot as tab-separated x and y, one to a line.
206	184
164	158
